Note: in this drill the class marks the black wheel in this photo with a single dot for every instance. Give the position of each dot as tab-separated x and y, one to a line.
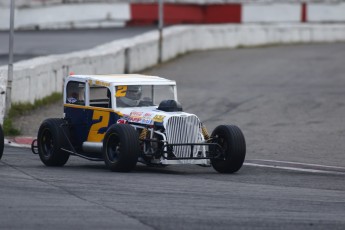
121	148
51	138
233	144
1	142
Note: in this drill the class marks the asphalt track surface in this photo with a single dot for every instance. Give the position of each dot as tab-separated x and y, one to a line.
29	44
289	102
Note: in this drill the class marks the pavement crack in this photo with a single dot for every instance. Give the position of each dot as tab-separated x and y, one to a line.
80	197
229	109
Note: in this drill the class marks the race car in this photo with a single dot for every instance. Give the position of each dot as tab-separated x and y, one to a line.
1	141
128	118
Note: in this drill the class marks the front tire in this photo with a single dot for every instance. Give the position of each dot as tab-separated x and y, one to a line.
51	138
1	142
233	145
121	148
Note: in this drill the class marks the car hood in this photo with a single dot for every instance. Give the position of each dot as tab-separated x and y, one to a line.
149	115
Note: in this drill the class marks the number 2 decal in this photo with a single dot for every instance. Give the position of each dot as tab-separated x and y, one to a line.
102	121
121	91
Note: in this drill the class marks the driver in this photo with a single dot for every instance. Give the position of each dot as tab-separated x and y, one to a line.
131	98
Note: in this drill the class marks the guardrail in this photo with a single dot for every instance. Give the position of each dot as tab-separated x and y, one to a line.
40	77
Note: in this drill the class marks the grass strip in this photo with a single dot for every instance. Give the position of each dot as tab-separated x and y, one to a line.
19	109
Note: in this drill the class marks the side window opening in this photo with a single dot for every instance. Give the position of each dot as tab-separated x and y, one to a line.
75	93
100	96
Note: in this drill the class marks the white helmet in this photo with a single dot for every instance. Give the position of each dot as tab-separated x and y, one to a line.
133	96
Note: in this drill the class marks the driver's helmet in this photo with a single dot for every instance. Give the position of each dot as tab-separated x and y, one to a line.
132	97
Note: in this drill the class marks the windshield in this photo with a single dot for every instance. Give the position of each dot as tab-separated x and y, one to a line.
143	95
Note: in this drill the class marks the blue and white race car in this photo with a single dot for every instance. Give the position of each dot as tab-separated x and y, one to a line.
130	118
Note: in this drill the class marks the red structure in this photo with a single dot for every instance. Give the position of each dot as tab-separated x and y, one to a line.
144	14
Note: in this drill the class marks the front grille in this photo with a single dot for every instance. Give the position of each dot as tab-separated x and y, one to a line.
184	130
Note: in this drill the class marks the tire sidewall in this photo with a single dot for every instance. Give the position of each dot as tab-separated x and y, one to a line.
128	154
57	157
110	133
235	151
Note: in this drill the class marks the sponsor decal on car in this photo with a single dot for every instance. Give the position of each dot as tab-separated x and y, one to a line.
98	82
158	118
146	121
148	115
142	117
136	114
71	100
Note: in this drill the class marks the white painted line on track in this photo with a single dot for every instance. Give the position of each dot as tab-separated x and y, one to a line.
295	169
299	163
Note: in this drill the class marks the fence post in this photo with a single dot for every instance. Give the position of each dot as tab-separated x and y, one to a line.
10	59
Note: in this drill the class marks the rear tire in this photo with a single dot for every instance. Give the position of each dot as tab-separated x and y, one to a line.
121	148
51	138
233	144
1	142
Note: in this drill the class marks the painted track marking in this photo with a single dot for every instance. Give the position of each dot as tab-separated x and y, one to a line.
299	163
299	169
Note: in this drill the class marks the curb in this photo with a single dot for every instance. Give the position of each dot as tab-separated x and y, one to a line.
20	141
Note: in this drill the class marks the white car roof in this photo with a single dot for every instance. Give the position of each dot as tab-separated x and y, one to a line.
124	79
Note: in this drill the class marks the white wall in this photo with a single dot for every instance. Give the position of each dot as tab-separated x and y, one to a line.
4	18
318	12
280	12
68	16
